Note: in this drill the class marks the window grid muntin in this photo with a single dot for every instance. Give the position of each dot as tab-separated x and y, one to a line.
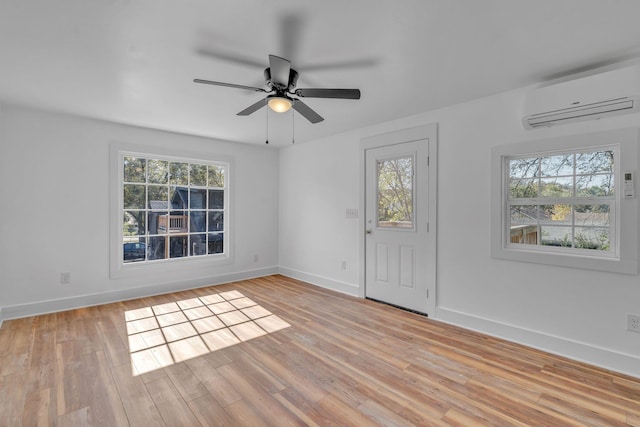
611	200
222	174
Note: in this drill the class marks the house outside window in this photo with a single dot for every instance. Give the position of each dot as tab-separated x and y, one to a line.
560	202
172	208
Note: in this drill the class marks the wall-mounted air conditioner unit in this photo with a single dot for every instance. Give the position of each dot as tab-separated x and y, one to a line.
600	95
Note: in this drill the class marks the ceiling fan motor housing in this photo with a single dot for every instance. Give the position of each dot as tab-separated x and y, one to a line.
291	84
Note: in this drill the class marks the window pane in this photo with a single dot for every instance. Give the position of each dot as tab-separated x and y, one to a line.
179	197
158	197
158	171
216	222
556	236
216	199
524	234
596	238
179	173
198	175
178	246
216	176
561	165
133	251
157	223
176	221
198	198
523	214
592	215
594	185
524	168
523	188
198	244
555	214
134	169
556	187
595	162
198	222
133	223
157	248
134	196
395	193
215	243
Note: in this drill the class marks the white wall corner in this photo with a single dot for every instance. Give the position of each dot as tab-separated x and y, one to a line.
70	303
605	358
324	282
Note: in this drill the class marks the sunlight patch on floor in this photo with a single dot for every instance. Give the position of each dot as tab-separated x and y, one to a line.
164	334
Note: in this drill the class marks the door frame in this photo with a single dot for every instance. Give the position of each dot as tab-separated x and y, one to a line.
429	132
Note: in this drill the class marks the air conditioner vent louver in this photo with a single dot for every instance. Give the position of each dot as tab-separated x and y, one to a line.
597	96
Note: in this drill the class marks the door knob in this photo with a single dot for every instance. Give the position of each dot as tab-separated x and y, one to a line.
369	231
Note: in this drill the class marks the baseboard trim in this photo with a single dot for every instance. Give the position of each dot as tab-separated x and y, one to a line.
63	304
615	361
323	282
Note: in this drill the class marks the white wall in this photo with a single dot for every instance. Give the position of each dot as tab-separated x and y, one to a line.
55	212
577	313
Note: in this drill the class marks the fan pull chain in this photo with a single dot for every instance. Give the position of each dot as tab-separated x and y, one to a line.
267	122
293	127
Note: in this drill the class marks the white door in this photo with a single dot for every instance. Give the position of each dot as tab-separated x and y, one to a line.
398	253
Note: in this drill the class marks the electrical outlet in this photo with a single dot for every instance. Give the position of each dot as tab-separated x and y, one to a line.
65	278
344	265
256	258
633	323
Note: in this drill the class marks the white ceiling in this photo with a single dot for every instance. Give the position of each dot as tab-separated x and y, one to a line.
133	61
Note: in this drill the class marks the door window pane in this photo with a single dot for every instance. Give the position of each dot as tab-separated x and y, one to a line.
395	192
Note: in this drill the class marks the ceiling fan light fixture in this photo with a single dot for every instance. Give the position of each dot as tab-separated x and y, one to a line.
280	104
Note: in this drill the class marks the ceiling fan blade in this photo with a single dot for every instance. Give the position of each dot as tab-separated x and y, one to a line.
329	93
210	82
291	27
280	68
306	111
253	107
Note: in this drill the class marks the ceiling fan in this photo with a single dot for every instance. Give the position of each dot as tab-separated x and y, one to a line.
281	81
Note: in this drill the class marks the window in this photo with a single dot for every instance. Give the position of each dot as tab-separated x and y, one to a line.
563	200
395	192
172	208
559	202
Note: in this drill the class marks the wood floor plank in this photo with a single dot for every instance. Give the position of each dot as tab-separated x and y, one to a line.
139	407
330	359
209	412
39	409
216	384
173	409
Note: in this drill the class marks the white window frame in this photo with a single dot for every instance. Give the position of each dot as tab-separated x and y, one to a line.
623	257
120	269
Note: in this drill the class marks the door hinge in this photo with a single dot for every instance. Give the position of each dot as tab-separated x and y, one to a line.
427	293
427	161
427	227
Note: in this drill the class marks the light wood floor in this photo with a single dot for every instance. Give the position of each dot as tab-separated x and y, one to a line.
287	353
